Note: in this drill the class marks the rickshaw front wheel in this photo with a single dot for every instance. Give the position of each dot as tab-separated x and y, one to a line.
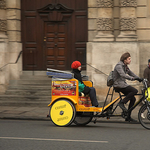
62	112
83	118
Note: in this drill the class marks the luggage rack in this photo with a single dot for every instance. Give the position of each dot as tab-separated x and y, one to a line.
59	74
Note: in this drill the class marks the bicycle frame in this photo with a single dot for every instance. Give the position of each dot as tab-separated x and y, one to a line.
103	114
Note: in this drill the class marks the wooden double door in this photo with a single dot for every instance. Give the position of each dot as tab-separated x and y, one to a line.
54	33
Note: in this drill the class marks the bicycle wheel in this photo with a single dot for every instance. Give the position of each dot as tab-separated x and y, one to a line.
83	118
144	116
62	113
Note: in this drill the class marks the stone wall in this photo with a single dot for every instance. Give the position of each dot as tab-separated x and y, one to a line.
4	78
115	27
10	42
14	36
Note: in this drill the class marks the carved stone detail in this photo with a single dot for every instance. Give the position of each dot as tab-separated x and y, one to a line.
104	24
105	3
2	4
128	3
57	7
55	12
128	24
3	25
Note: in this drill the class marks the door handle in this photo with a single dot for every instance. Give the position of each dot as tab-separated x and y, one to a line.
45	39
55	44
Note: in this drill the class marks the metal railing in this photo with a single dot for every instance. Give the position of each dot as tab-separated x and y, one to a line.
12	63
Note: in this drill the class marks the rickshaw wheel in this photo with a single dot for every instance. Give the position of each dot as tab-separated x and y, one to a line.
62	113
83	118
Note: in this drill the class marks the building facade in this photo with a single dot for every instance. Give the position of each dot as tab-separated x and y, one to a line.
97	32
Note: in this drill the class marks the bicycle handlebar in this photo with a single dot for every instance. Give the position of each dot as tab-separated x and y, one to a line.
145	88
145	83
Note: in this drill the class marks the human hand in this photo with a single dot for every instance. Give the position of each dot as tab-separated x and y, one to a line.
138	79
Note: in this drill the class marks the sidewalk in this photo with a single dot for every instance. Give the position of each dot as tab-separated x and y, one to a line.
28	113
40	113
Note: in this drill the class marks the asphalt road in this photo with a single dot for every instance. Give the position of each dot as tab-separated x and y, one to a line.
44	135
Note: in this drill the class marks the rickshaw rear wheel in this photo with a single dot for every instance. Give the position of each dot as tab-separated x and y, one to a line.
83	118
62	112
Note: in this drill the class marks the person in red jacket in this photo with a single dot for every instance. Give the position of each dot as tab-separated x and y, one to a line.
76	69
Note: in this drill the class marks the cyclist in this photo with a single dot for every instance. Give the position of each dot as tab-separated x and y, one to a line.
121	73
76	66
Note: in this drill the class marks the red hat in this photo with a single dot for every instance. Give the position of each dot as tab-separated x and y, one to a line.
75	65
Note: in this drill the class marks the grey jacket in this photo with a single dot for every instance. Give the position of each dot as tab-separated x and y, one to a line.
120	75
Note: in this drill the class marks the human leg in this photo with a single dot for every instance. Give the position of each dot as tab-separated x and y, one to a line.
132	101
93	96
129	92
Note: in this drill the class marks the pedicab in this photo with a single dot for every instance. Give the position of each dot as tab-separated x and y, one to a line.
68	106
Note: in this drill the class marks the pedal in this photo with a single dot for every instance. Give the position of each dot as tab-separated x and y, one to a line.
108	118
95	121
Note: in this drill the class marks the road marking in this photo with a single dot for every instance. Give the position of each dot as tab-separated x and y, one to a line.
60	140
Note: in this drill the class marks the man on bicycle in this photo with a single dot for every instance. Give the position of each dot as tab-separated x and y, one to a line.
121	73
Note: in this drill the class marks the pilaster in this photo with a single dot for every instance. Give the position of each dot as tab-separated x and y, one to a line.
104	20
128	21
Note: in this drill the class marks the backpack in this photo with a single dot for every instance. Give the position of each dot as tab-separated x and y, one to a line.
110	80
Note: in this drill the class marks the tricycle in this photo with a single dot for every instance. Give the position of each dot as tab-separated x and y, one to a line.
68	106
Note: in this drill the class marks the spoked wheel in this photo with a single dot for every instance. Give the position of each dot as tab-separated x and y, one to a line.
144	116
62	113
83	118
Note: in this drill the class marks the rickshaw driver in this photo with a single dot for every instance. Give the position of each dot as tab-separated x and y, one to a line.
76	69
120	75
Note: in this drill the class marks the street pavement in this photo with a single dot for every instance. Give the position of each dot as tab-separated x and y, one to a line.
40	113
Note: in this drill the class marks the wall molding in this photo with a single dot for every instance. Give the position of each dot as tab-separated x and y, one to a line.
128	24
3	25
105	3
128	3
2	4
104	24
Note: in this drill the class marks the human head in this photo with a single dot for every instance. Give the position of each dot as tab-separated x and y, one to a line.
149	62
126	58
76	65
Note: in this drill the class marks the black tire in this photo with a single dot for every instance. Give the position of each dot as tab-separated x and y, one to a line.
144	116
83	118
62	113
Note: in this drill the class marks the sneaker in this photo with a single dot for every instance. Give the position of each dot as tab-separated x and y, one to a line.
130	120
121	105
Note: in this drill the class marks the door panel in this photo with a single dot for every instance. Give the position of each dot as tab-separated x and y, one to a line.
56	43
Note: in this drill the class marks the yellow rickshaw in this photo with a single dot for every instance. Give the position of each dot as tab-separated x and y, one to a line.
67	106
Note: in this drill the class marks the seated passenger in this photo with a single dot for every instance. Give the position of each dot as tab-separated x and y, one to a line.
76	66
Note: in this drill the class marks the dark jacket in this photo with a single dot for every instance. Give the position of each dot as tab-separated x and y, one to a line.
82	87
121	73
147	75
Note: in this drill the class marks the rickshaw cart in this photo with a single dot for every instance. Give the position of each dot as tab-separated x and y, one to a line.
67	106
